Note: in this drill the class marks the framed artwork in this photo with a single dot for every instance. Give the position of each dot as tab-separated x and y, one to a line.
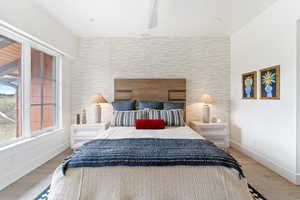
270	83
249	83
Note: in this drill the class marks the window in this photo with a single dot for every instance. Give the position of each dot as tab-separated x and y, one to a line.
43	91
10	89
29	77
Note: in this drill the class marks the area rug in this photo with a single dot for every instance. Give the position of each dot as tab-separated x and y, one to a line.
255	194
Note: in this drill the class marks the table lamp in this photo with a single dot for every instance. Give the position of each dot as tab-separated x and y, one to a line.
206	99
98	99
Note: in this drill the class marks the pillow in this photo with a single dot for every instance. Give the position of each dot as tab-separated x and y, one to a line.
149	124
150	105
173	105
170	117
127	118
124	105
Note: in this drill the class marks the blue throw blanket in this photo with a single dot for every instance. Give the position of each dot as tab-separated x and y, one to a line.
150	152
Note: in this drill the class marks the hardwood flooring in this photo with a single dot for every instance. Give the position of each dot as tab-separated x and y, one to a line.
267	182
271	185
31	185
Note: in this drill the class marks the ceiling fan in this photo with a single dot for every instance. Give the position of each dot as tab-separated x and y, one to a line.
153	20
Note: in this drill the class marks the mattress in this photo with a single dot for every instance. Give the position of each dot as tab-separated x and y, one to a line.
149	183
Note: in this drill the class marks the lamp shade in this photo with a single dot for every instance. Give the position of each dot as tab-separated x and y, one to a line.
98	98
207	99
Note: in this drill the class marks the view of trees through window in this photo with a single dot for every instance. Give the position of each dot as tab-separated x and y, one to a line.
10	73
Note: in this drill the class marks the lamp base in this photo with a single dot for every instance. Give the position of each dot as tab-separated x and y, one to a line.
205	114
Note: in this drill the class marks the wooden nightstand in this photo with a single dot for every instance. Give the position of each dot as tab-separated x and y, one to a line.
81	134
215	132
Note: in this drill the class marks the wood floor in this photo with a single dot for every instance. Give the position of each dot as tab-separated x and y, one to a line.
271	185
31	185
267	182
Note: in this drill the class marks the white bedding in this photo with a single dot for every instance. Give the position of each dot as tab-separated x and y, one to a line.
169	132
149	183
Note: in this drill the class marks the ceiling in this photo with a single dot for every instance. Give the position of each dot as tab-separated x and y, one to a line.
93	18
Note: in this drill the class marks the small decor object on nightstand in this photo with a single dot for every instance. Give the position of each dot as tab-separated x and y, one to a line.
206	99
77	119
219	120
214	120
270	83
83	116
98	99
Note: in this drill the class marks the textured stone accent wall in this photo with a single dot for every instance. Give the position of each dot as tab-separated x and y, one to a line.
204	62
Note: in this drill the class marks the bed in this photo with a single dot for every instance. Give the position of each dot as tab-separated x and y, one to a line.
174	182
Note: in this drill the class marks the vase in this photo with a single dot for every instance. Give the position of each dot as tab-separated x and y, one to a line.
98	114
77	119
248	92
83	117
205	114
268	90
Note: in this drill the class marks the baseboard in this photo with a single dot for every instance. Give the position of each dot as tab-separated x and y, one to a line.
298	179
292	177
31	165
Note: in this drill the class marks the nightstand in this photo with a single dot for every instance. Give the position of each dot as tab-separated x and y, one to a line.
83	133
215	132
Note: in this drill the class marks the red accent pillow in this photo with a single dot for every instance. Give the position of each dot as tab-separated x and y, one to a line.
149	124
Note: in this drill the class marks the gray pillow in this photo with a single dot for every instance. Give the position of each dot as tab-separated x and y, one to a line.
157	105
173	105
124	105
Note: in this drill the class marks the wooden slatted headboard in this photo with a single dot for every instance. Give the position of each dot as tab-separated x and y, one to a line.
173	90
150	89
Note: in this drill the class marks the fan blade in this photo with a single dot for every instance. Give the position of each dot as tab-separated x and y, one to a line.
153	21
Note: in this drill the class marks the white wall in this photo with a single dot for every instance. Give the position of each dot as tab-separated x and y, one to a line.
18	159
26	16
298	104
203	61
265	129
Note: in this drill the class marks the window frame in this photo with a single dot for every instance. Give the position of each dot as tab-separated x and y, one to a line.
57	91
25	83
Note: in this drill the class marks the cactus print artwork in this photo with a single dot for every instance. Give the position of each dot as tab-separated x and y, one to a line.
249	85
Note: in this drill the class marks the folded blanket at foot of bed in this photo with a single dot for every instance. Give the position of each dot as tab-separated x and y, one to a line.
150	152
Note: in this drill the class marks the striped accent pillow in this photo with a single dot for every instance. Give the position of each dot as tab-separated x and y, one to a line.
171	117
127	118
